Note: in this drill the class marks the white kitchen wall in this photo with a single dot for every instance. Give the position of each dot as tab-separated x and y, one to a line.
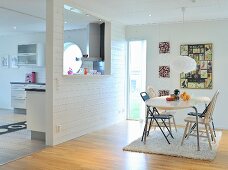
199	32
9	42
77	36
85	103
8	47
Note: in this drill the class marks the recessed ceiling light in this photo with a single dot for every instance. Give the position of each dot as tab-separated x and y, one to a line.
100	19
150	15
15	27
87	15
65	22
73	9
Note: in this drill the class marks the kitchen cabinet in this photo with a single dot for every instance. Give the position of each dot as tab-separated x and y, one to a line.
30	55
35	104
18	94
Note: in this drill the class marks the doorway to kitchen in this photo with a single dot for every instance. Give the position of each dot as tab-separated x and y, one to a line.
22	67
136	78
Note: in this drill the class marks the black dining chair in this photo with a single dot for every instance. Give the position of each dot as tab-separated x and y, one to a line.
154	115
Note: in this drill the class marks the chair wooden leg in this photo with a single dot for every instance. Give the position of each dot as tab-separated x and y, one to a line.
208	136
163	125
212	133
152	123
213	127
174	123
185	132
189	130
170	128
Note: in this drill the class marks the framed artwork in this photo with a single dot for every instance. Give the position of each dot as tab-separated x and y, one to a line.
184	49
164	47
14	62
163	93
164	72
4	61
201	78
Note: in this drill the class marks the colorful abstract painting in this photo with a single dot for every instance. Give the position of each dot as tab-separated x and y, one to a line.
163	92
164	47
201	78
164	71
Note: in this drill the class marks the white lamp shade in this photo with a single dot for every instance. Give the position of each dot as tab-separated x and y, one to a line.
184	64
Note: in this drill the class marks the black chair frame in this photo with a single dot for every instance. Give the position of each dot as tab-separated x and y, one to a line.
154	115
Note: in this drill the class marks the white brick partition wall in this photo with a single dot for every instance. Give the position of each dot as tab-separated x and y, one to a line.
81	104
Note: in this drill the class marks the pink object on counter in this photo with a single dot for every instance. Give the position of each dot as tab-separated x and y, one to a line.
33	78
30	77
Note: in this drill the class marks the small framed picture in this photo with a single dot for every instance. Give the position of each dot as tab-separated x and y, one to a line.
163	93
164	47
13	62
164	72
4	61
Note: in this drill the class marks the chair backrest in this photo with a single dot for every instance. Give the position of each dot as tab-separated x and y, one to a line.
211	106
144	96
151	91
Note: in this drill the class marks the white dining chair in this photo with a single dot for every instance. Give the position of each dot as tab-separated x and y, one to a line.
205	121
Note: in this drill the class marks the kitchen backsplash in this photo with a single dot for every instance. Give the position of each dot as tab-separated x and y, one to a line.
8	75
40	75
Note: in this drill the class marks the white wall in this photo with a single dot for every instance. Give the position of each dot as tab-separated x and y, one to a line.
82	104
79	37
202	32
8	46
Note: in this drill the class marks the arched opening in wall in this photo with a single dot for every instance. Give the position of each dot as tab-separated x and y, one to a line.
72	59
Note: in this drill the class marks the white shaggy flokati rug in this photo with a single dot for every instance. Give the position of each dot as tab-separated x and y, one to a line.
156	143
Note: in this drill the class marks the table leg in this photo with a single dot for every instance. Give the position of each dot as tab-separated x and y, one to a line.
197	127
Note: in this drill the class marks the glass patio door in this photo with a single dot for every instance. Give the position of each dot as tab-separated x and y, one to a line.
136	78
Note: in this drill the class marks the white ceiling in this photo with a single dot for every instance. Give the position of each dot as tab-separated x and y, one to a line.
29	15
132	12
25	15
77	20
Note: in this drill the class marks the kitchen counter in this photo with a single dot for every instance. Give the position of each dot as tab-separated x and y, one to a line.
18	94
27	83
35	89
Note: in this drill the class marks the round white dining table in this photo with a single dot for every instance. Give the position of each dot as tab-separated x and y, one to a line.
161	104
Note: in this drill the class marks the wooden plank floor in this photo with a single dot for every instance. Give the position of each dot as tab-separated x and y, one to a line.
103	150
